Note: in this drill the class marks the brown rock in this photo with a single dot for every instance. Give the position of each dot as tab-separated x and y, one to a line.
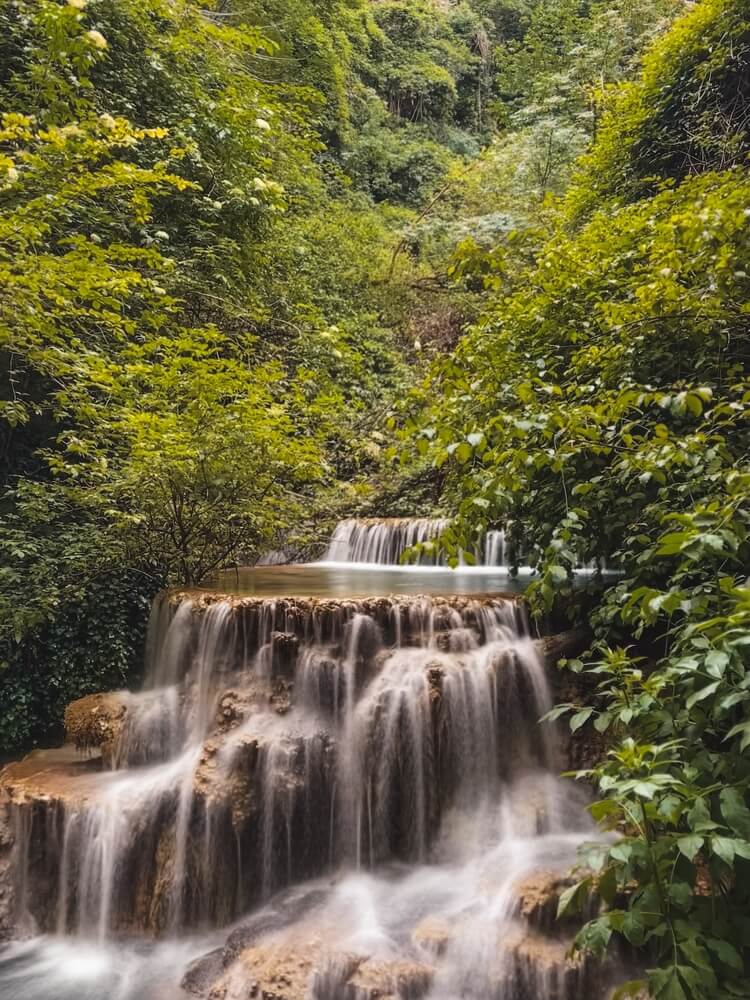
538	899
389	980
95	722
432	936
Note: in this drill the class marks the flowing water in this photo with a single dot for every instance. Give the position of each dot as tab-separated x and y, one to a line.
348	787
384	542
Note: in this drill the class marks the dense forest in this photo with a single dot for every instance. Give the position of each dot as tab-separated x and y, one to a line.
266	263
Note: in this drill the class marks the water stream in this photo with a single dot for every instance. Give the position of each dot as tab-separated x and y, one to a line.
344	781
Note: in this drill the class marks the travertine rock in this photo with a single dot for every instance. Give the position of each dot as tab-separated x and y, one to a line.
95	722
538	898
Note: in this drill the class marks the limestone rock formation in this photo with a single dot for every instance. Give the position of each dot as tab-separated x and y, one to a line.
95	722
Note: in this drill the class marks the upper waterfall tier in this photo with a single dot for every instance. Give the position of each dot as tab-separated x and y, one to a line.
385	542
409	544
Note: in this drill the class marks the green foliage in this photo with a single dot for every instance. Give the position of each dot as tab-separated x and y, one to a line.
74	615
187	310
550	71
602	403
685	115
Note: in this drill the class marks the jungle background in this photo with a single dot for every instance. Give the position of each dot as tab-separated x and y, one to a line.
264	264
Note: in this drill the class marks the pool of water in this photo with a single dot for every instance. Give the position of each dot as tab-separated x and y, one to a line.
358	580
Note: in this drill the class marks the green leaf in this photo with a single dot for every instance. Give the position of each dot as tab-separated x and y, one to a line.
723	847
690	846
602	722
633	927
595	935
603	808
607	884
573	898
716	662
621	852
726	952
741	727
580	718
681	893
699	817
700	695
735	812
665	985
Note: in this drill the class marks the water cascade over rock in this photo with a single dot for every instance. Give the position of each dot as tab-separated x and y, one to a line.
386	541
357	789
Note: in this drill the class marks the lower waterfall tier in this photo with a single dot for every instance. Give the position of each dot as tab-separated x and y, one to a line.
368	775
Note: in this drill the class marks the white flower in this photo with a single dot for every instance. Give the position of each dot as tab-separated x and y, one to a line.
108	121
97	39
78	4
262	124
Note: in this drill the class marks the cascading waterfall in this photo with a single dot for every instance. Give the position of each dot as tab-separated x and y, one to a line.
377	758
383	542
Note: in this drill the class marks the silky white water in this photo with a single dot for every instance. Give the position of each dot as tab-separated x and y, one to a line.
380	757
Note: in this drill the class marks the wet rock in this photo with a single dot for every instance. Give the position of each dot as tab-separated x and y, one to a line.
34	794
288	907
240	701
284	648
538	899
563	645
301	967
540	966
432	936
389	980
281	696
202	973
586	747
59	775
7	894
408	617
95	722
274	971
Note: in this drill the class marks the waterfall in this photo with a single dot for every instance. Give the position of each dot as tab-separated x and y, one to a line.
366	777
384	542
387	542
390	541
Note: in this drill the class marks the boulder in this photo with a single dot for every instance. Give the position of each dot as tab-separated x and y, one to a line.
95	722
389	980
